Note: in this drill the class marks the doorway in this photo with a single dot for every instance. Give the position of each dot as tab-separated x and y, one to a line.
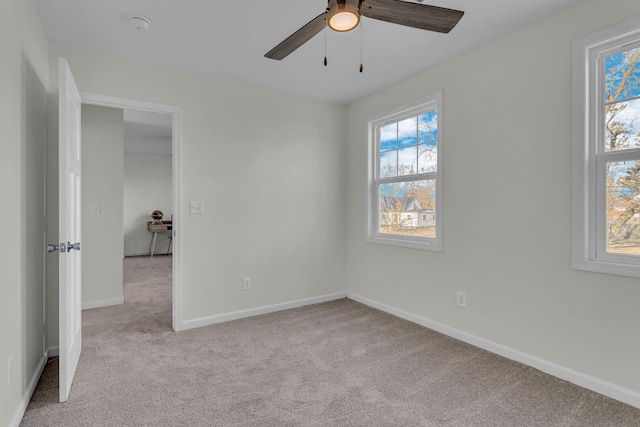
147	198
147	215
142	111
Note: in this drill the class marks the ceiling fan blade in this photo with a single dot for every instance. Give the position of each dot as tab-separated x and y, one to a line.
423	16
298	38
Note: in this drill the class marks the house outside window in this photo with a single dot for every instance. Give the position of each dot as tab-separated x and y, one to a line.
606	164
404	205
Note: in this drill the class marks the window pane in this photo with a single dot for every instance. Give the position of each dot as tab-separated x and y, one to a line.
388	164
389	137
408	208
622	125
408	161
622	110
428	127
427	157
623	208
622	72
408	132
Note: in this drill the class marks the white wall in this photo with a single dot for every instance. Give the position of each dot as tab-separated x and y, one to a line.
147	187
102	184
24	81
507	213
271	171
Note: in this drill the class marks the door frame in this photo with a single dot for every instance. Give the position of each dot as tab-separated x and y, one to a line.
176	167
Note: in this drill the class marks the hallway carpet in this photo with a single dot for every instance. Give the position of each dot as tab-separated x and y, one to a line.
334	364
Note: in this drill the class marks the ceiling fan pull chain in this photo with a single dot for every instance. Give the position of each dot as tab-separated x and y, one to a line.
361	67
325	42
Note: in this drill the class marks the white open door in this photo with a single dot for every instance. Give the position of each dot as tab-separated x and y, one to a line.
69	228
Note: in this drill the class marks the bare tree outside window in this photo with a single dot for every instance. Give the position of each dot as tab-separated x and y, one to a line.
622	132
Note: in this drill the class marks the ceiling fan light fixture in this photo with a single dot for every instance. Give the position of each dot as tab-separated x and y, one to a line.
343	15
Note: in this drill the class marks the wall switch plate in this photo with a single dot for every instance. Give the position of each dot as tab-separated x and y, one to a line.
196	208
96	209
246	283
461	298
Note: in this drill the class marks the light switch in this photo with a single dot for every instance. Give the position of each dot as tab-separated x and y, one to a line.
95	209
196	208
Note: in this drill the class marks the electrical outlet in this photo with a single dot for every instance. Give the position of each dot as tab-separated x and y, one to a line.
461	298
10	371
246	283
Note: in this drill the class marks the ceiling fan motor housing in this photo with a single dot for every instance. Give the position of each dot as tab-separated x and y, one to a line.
344	15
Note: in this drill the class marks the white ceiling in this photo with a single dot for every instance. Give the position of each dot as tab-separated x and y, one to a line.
228	39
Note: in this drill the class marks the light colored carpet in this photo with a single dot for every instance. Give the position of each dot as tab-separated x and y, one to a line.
333	364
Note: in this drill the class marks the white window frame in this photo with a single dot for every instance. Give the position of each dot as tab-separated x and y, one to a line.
589	155
415	108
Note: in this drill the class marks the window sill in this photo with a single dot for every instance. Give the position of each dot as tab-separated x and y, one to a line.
607	267
405	241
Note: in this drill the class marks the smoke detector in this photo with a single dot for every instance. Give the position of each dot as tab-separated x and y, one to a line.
141	22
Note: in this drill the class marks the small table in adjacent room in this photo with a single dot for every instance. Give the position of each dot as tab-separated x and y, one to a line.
154	229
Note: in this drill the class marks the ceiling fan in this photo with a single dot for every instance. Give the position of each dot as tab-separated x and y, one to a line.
344	15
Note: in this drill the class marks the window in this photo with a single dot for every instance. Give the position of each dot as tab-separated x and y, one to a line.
606	209
404	198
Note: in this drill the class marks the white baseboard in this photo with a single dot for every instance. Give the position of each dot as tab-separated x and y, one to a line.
138	254
53	351
235	315
31	387
611	390
146	254
104	303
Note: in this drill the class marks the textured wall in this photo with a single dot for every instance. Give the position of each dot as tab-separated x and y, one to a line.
102	184
507	214
147	187
24	81
271	171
